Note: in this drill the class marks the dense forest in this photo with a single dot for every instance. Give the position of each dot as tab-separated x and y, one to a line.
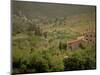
40	32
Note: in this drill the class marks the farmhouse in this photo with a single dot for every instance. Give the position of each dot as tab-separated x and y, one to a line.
88	37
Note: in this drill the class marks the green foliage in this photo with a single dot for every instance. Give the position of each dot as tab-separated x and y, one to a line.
82	46
56	64
45	34
38	31
62	45
39	61
81	60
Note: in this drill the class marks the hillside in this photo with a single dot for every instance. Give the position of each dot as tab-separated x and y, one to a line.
50	9
40	35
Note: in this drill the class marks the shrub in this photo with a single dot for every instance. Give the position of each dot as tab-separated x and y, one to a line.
62	45
81	60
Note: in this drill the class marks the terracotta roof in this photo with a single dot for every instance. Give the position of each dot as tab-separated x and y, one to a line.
77	41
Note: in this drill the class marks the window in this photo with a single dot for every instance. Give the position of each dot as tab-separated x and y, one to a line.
90	40
91	35
86	35
86	39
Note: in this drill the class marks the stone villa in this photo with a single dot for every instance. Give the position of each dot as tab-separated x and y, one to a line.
88	37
